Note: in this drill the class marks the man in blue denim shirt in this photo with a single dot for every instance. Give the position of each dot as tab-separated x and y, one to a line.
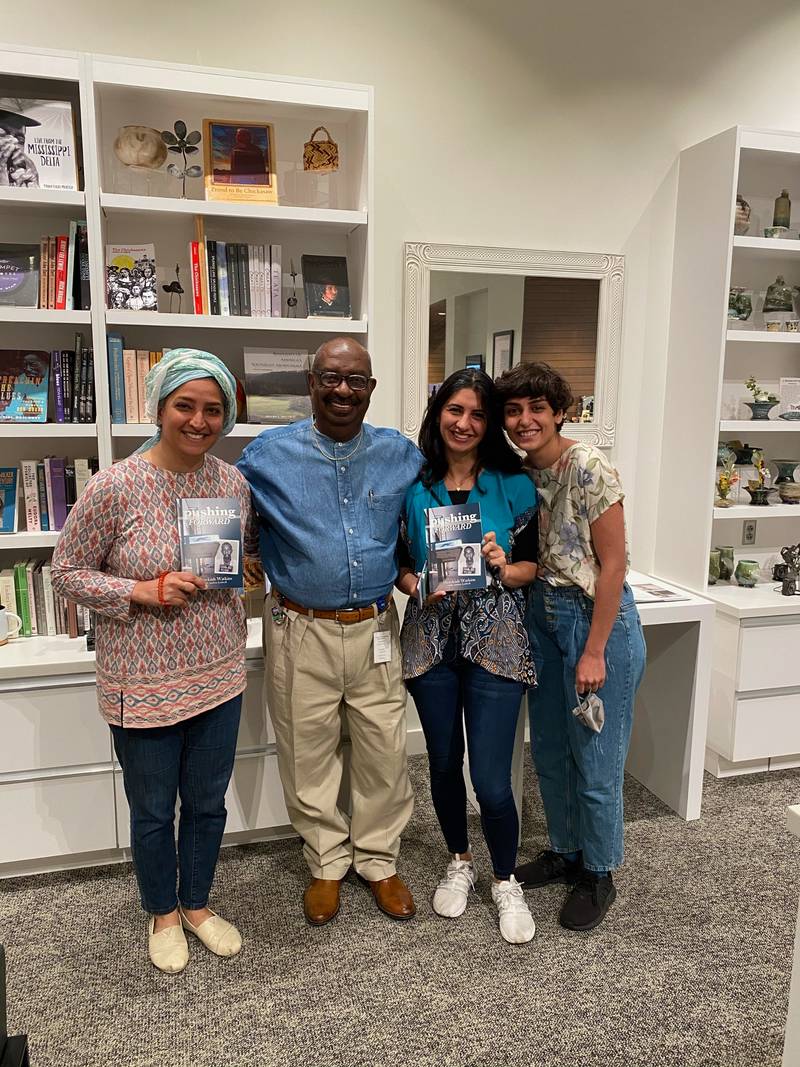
328	492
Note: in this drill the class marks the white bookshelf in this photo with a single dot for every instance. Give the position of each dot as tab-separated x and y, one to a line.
748	727
322	215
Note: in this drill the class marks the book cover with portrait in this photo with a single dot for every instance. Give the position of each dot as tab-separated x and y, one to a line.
131	282
24	381
326	287
19	275
37	144
210	536
454	535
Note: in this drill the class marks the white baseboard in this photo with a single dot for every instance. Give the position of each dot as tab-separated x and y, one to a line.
415	741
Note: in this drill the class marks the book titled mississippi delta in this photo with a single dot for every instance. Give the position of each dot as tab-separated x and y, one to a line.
210	532
454	535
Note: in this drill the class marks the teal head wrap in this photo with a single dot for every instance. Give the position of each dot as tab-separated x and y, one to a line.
178	366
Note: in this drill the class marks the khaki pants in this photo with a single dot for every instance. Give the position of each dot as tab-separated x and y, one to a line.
320	677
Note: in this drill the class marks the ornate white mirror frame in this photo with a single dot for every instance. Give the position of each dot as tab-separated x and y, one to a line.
421	259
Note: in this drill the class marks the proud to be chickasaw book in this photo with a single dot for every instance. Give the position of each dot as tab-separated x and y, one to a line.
454	535
210	533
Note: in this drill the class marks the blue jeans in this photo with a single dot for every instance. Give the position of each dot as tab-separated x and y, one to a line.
581	772
449	696
193	759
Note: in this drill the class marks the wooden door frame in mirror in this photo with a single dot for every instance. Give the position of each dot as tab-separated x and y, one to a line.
609	270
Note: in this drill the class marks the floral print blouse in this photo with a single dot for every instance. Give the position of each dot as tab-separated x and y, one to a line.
573	494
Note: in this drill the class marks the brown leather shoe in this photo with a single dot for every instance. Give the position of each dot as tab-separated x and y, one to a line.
321	900
393	897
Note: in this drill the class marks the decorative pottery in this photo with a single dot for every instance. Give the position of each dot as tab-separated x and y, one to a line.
725	562
779	296
761	408
742	220
713	566
773	325
776	231
744	454
140	146
789	492
759	497
746	573
786	469
779	571
783	209
790	416
740	303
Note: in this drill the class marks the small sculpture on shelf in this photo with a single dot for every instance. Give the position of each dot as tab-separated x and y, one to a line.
175	288
727	479
759	487
740	303
291	301
783	210
763	400
746	573
742	220
185	144
791	574
779	296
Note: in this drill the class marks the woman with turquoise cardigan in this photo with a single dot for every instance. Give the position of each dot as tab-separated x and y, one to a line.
466	657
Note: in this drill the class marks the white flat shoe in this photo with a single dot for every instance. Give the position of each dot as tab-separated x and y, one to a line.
217	934
168	948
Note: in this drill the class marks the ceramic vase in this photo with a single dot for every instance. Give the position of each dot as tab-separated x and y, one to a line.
783	209
786	469
760	408
725	562
713	566
742	221
759	497
746	573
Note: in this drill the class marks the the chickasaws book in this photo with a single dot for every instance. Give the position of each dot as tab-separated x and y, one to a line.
210	533
454	535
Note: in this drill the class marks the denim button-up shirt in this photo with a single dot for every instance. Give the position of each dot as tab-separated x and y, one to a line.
329	528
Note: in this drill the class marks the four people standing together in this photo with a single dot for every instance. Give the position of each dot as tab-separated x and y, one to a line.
329	497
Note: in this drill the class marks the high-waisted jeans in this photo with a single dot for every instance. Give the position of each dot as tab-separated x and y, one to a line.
581	772
193	759
449	697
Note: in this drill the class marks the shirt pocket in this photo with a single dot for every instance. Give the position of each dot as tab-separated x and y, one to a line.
384	515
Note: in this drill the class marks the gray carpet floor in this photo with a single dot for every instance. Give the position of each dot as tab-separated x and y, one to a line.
690	969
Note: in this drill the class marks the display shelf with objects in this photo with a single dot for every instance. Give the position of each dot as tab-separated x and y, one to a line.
734	319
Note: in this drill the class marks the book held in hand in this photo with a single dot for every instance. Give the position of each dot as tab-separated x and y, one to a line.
454	535
210	534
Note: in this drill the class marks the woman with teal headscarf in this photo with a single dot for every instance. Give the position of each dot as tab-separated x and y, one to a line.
170	651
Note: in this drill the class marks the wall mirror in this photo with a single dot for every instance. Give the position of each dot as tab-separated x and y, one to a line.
495	307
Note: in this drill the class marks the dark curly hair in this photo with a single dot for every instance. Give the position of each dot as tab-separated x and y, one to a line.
536	380
494	451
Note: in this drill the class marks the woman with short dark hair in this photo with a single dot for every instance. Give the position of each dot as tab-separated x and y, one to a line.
588	646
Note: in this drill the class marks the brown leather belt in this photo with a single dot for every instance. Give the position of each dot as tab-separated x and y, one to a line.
345	616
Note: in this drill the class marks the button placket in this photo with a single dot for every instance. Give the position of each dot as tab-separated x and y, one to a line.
348	514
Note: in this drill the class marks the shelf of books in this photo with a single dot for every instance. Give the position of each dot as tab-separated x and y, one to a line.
143	201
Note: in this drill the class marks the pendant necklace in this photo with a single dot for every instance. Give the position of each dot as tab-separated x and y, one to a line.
343	456
458	488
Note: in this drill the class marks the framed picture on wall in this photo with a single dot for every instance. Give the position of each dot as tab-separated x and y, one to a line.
502	351
240	161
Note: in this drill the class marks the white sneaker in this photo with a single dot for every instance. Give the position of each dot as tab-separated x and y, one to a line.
516	922
450	898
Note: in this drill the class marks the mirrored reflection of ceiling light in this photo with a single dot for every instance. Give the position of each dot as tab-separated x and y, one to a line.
442	313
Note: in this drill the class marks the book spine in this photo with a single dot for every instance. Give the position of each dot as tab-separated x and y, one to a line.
58	386
131	388
275	279
8	594
41	484
23	608
233	277
91	406
201	245
197	292
30	490
213	277
69	275
82	475
60	627
116	378
52	245
77	369
48	481
49	601
61	272
244	261
83	394
72	619
59	492
252	268
43	246
66	384
82	274
263	280
142	367
69	485
31	597
38	598
222	264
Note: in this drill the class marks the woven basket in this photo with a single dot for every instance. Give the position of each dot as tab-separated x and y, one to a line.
321	156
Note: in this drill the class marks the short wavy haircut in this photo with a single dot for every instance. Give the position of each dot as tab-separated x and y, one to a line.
536	380
494	451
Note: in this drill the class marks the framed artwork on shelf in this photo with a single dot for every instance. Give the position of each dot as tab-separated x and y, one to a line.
240	162
502	351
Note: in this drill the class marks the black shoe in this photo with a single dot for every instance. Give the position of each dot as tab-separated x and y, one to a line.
587	904
547	869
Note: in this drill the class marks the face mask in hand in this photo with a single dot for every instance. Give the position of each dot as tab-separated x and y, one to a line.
590	711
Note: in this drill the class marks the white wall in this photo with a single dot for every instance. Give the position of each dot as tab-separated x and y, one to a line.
523	124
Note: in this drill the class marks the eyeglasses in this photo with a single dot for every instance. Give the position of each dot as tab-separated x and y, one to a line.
331	380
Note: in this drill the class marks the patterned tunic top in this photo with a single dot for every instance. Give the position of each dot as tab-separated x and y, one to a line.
574	493
486	625
155	665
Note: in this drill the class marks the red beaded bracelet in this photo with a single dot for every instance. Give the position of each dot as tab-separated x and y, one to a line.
160	588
